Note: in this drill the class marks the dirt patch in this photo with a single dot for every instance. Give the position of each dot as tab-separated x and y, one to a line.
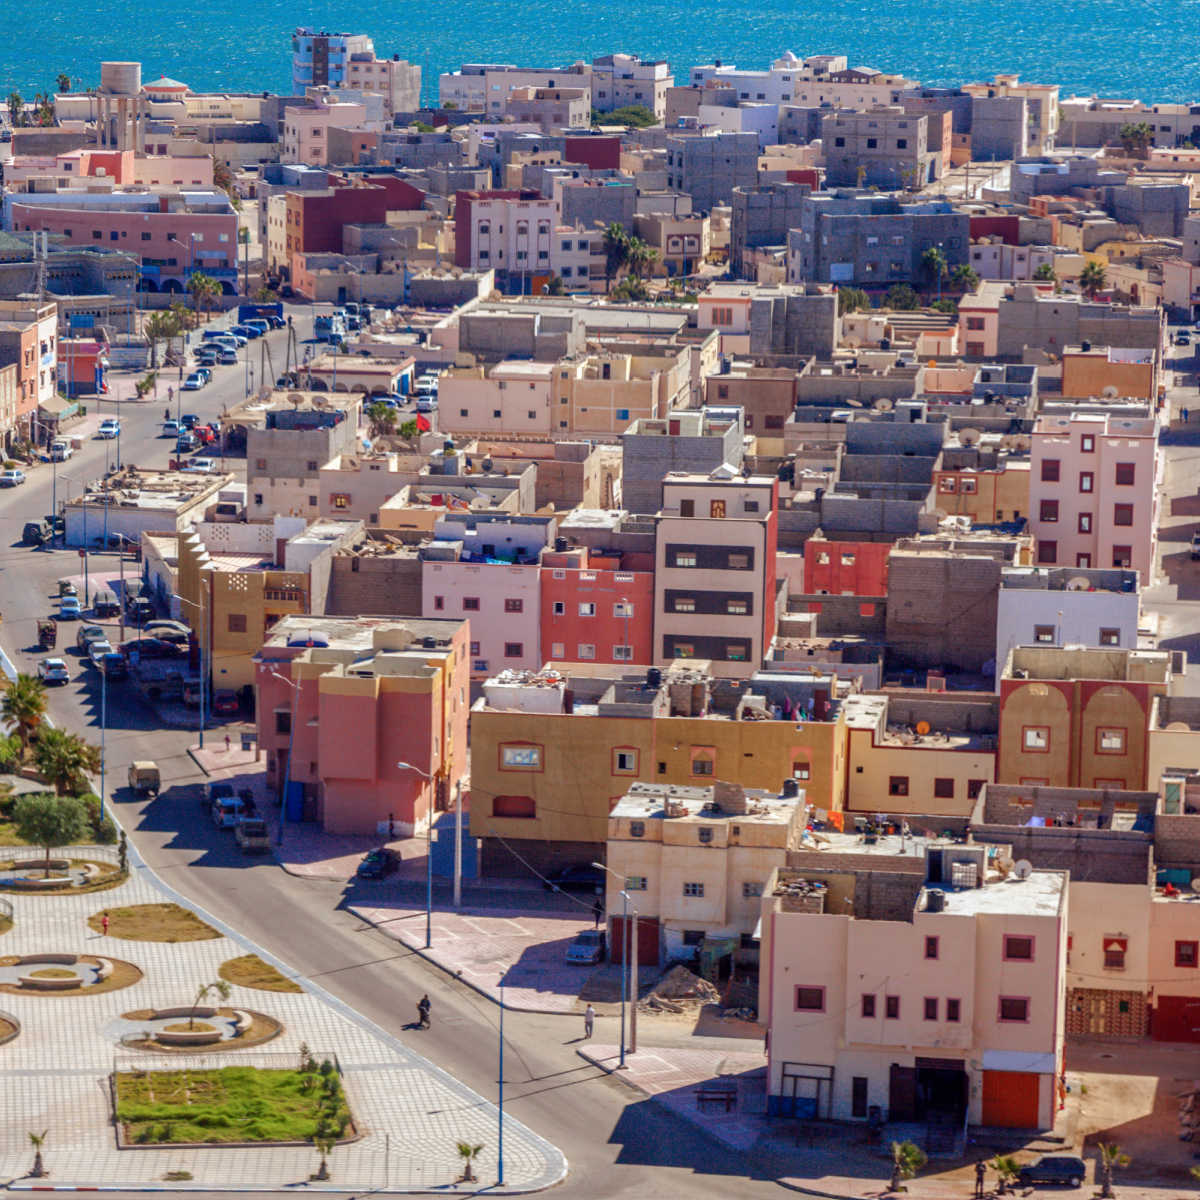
250	971
8	1029
679	991
124	974
153	923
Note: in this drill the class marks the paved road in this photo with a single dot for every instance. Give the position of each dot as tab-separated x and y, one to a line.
618	1145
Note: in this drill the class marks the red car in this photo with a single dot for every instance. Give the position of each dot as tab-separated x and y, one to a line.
205	434
226	702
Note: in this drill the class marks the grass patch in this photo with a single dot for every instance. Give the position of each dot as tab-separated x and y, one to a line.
235	1104
5	925
154	923
108	875
250	971
52	973
196	1027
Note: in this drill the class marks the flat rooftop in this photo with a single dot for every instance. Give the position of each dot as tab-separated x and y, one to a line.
649	801
165	491
357	633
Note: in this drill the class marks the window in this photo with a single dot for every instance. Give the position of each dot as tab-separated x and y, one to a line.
1086	481
868	1004
1084	523
687	508
260	464
898	785
953	1009
560	608
703	762
969	487
470	604
1186	954
514	606
1036	738
237	622
682	558
518	757
1126	473
705	836
474	647
514	649
751	890
810	999
1047	552
737	607
1110	637
1110	740
801	769
751	506
1051	470
693	889
891	1008
1087	443
1122	514
558	650
283	720
1018	949
625	762
1014	1008
635	883
931	947
587	609
902	143
1043	633
622	653
439	603
1122	556
586	650
931	1008
683	604
514	806
623	608
1048	510
716	509
637	829
1114	954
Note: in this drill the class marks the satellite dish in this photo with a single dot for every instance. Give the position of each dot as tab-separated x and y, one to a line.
1180	727
922	727
1023	869
1111	391
1195	885
883	404
852	343
1078	583
1022	441
968	437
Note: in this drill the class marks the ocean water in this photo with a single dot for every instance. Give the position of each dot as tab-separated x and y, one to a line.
1146	49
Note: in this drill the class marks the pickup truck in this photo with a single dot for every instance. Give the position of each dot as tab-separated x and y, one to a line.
251	835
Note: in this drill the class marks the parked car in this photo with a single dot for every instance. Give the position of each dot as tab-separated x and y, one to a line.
61	450
201	466
225	702
194	382
205	372
98	650
170	429
191	693
252	837
582	878
377	863
66	587
205	434
588	947
169	631
139	610
152	647
13	477
114	665
1182	338
186	442
189	420
1054	1168
227	812
427	404
68	609
110	427
249	332
228	358
259	323
53	670
104	604
144	778
36	532
88	634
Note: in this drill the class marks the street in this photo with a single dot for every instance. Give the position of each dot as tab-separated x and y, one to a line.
617	1144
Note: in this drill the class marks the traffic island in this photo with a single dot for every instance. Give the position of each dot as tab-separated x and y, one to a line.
273	1105
193	1029
65	974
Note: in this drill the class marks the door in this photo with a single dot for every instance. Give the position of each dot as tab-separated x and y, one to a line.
1010	1099
902	1093
858	1096
1176	1019
648	941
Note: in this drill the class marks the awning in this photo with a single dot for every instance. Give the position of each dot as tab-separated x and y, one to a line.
1025	1061
58	406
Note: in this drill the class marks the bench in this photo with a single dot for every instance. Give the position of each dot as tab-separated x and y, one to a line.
717	1091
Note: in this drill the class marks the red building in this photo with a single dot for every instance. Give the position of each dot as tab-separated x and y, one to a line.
315	220
846	568
601	152
594	611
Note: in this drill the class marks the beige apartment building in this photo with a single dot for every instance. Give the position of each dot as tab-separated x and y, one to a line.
921	977
695	859
602	394
513	397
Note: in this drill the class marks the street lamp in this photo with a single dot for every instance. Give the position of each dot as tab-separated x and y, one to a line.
404	766
628	975
287	771
200	646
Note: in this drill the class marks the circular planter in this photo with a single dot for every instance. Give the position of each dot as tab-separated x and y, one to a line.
167	1029
85	974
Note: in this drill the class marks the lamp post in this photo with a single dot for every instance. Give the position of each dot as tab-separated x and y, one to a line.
500	1104
287	770
404	766
200	645
629	971
103	729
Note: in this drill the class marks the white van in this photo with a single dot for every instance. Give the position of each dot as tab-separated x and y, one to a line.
61	449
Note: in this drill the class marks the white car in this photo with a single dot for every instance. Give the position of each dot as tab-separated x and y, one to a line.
98	649
53	670
194	382
201	466
110	427
12	477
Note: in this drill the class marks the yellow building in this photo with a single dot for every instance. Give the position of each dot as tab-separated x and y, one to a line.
987	495
605	393
1090	371
552	754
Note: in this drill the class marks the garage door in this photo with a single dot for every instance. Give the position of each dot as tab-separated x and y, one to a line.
1010	1099
1176	1019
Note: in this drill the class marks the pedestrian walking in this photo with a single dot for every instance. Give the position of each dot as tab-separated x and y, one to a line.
104	924
589	1021
1183	412
597	911
980	1171
227	743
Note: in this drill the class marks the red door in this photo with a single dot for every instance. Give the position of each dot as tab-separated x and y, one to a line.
647	936
1010	1099
1176	1019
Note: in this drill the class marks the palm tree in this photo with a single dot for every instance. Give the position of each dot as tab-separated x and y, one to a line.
160	327
553	286
1136	138
1045	273
1091	278
467	1153
964	278
907	1160
219	986
63	81
639	257
65	760
1111	1155
37	1141
933	263
616	252
381	420
16	106
1006	1167
24	704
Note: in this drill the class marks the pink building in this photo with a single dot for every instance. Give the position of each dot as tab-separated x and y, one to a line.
594	612
513	397
506	230
1093	491
306	130
341	701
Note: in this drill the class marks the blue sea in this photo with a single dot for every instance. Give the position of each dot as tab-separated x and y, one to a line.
1145	49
